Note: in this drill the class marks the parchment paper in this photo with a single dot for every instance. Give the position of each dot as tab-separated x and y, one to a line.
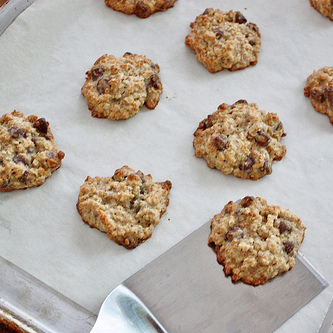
44	55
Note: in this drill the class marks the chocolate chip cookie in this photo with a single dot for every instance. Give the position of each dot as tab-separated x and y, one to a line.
240	139
255	241
28	154
116	88
140	8
223	40
319	87
126	206
325	7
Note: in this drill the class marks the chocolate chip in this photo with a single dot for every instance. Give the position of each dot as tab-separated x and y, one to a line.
247	201
254	27
317	95
267	167
102	85
132	202
239	18
284	226
220	142
218	33
16	132
279	126
288	246
142	9
206	123
262	138
61	155
247	164
24	178
96	73
235	232
130	243
155	81
240	101
19	159
41	125
329	93
206	11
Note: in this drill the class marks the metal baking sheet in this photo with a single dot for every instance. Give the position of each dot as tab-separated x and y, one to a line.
44	55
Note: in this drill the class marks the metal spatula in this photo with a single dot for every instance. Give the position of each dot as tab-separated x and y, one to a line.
185	290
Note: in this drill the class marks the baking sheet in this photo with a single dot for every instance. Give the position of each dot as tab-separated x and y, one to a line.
44	55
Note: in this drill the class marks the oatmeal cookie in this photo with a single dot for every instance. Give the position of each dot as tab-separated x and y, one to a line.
240	139
325	7
141	8
126	206
116	88
254	241
28	154
319	87
223	40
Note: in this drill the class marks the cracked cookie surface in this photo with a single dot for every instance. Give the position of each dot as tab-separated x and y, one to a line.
319	87
255	241
126	206
116	88
223	40
28	154
240	139
325	7
140	8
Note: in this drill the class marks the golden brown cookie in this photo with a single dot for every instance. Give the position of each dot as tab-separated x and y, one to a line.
140	8
28	154
223	40
116	88
325	7
319	87
126	206
255	241
240	139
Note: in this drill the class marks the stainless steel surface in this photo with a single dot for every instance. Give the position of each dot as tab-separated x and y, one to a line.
34	307
10	10
122	311
187	291
327	325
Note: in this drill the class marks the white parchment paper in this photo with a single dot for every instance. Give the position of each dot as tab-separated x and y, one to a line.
44	55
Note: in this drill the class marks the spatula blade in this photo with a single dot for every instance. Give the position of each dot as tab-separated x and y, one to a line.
187	291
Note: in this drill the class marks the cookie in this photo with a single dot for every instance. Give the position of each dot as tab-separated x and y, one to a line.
126	206
255	241
319	87
28	154
223	40
141	8
325	7
240	139
116	88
